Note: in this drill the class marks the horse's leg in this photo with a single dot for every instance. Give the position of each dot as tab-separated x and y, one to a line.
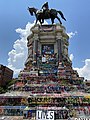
36	21
52	19
59	19
42	20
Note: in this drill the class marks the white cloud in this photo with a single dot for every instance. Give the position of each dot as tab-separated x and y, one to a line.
71	34
85	70
18	54
71	57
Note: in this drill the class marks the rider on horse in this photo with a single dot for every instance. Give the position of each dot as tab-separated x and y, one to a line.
45	8
46	13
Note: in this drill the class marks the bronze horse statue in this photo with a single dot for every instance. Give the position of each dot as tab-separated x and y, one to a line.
48	14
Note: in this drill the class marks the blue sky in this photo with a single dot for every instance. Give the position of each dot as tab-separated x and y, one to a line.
14	19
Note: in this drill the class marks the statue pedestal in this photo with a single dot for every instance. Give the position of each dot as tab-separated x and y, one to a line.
48	53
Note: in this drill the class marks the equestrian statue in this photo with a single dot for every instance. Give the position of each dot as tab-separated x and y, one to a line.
46	13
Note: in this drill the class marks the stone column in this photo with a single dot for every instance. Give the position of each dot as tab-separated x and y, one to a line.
60	49
35	48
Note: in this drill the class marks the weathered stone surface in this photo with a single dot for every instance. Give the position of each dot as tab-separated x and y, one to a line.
53	36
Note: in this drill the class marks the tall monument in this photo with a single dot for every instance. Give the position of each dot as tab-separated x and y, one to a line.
48	49
48	88
48	54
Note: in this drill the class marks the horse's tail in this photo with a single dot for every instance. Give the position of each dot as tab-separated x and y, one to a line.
61	15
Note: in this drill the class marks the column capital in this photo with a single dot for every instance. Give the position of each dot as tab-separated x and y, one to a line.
58	39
